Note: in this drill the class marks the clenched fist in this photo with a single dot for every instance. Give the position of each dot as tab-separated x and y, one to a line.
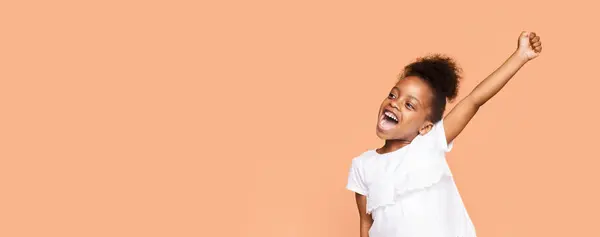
530	45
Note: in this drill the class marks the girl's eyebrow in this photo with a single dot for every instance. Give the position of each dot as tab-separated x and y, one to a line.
412	97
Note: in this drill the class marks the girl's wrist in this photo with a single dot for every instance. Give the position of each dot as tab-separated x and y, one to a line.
519	57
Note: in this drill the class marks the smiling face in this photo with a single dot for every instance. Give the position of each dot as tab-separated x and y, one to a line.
404	113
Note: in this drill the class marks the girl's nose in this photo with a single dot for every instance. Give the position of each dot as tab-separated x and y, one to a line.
394	105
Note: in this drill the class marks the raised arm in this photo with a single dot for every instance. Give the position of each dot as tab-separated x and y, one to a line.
529	47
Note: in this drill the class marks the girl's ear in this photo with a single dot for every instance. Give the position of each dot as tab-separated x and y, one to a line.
427	126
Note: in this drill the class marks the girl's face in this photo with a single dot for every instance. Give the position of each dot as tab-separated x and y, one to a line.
403	114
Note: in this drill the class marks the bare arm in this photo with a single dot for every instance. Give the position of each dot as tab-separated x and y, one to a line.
365	219
529	47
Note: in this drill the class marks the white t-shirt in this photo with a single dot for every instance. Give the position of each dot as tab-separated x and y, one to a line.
410	192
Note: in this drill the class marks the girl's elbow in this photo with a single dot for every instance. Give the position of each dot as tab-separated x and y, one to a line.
475	101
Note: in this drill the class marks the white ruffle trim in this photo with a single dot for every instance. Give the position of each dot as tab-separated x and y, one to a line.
423	178
413	176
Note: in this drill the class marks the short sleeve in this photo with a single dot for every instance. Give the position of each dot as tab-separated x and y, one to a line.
440	135
356	178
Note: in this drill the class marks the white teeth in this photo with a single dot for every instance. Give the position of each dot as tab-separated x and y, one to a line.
391	115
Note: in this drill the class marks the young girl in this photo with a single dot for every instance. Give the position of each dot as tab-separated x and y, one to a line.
405	188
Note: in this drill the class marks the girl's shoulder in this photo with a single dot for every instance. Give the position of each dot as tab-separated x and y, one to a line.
364	156
367	154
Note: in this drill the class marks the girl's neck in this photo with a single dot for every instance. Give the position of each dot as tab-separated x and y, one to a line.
392	145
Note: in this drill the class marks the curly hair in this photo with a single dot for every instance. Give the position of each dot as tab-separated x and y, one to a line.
442	74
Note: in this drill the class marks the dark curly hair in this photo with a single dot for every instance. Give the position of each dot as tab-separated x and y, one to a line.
442	74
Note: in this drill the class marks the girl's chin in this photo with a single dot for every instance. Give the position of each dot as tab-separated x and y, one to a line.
385	135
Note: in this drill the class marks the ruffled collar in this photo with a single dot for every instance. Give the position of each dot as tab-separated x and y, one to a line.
412	169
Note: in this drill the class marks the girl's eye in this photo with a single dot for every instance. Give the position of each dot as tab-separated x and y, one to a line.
409	106
391	96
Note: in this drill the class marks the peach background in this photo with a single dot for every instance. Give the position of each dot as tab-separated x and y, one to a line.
240	118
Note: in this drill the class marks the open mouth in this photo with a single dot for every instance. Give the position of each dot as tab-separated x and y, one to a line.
387	120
